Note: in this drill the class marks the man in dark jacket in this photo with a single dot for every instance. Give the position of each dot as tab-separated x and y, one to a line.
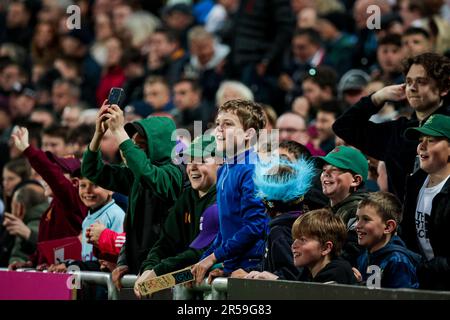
150	179
262	30
426	215
426	84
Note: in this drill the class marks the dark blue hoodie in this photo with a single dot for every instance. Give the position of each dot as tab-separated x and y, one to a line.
243	223
397	263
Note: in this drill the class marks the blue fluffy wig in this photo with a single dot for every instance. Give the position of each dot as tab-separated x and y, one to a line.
283	180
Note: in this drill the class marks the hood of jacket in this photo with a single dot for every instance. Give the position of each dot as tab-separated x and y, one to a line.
285	219
158	131
395	245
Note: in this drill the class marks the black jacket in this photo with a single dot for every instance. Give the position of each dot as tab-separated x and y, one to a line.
262	29
433	274
278	258
382	141
338	270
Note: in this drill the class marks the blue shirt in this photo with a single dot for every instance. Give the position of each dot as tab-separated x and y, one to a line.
111	215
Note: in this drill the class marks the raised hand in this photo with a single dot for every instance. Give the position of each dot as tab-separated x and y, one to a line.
20	137
115	118
389	93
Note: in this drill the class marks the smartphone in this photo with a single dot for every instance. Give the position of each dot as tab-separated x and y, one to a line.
116	96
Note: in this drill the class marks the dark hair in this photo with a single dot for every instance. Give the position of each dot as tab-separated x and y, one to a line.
20	167
393	39
81	134
194	83
295	148
312	34
436	66
331	106
30	195
415	30
56	131
250	114
387	205
170	35
324	77
323	225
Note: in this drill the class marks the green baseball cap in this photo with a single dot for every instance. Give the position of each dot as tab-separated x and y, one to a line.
348	158
203	146
437	125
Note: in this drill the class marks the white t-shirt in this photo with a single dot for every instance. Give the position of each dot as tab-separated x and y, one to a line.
423	211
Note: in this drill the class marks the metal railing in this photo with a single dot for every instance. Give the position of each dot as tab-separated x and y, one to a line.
225	288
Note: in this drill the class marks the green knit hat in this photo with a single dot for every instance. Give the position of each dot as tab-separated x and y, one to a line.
202	147
348	158
437	125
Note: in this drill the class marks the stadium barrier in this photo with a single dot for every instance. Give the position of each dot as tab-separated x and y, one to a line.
228	289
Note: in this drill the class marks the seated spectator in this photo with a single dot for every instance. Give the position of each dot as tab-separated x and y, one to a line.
14	172
389	57
231	90
54	140
378	217
207	61
351	87
338	43
416	41
292	127
327	113
319	236
319	86
19	231
427	203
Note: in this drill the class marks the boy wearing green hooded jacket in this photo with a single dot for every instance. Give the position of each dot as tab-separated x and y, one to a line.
149	178
193	221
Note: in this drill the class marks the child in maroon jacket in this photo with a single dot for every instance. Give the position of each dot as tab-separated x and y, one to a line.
66	211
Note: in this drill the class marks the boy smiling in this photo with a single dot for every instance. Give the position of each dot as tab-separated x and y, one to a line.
427	203
377	219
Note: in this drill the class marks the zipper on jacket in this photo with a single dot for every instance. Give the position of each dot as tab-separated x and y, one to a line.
225	175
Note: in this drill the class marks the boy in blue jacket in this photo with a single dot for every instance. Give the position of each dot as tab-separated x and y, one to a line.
377	218
242	219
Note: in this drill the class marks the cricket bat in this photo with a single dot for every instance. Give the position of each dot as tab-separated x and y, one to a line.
166	281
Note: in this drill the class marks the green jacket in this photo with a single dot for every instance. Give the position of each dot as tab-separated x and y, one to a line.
151	181
172	251
346	209
22	248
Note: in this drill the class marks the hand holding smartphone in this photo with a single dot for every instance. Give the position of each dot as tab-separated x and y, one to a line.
116	96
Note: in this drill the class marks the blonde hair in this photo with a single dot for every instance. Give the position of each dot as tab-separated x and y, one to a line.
323	225
250	114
